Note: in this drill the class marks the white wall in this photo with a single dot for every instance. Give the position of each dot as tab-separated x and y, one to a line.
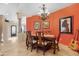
24	21
9	11
10	24
1	26
7	30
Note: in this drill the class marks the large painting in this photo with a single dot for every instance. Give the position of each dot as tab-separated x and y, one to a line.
66	25
37	25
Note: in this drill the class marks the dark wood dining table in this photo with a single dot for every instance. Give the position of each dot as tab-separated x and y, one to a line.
51	38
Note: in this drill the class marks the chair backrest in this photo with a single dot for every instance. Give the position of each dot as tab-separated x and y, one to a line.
58	38
40	36
29	37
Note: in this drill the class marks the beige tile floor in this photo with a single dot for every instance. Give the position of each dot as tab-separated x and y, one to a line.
16	47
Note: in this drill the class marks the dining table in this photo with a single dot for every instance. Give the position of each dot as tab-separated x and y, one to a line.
51	38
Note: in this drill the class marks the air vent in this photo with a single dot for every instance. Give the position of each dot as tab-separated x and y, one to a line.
6	20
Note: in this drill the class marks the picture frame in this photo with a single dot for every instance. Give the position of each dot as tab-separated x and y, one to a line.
46	24
37	25
13	30
65	25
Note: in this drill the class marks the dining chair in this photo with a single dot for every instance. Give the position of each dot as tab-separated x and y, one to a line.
30	41
42	43
57	41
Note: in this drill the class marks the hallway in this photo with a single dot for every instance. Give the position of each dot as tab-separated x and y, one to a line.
16	47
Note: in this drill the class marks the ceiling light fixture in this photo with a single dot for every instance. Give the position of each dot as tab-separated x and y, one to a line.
44	12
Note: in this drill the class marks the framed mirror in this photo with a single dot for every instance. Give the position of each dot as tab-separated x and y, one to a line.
13	30
37	25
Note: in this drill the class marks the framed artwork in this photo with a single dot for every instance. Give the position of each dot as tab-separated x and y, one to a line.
37	25
46	24
13	30
65	25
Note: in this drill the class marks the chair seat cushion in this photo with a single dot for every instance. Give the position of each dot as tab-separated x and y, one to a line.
34	41
44	43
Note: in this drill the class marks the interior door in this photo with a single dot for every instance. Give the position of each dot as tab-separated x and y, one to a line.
13	30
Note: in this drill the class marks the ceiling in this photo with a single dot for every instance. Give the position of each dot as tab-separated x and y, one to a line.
34	8
28	9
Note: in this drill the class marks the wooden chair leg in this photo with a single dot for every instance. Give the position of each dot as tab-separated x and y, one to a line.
36	49
27	47
31	48
58	47
26	42
44	52
77	51
54	47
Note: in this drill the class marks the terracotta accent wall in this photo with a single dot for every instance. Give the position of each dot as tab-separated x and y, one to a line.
72	10
30	22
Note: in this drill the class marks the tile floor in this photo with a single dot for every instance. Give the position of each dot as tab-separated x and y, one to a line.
16	47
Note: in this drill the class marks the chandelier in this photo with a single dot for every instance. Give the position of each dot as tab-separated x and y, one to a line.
44	12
